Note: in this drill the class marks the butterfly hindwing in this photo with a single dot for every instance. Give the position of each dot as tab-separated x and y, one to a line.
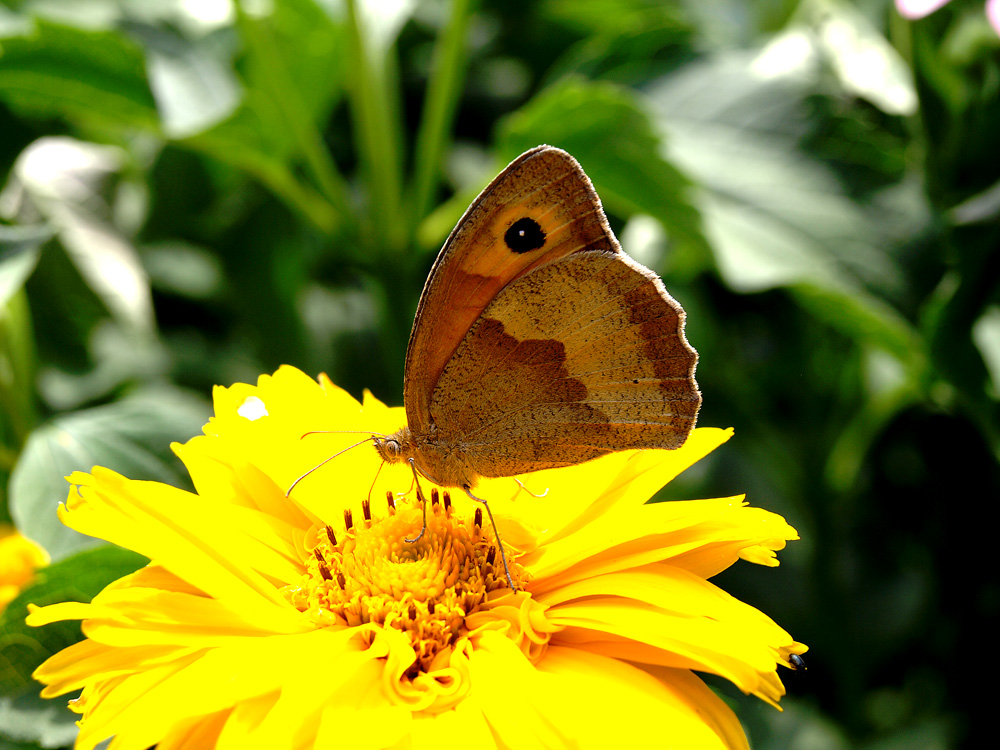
580	357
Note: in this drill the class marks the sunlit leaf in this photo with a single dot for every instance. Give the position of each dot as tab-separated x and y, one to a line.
82	75
62	179
19	249
24	715
777	216
194	84
131	436
306	46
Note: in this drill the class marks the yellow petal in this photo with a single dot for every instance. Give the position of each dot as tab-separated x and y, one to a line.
466	720
186	535
200	731
711	533
684	622
513	696
19	558
610	702
276	622
279	444
576	496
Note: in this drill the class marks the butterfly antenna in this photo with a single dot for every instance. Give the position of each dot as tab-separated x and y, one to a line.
423	504
324	461
521	485
503	556
343	432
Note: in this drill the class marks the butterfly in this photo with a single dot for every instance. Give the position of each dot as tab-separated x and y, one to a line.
538	343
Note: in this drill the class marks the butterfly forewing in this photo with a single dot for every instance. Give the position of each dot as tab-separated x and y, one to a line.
542	207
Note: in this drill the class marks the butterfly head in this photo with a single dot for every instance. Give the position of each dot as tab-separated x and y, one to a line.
438	461
394	448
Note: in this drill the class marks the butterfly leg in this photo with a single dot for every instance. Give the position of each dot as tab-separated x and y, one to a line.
375	480
503	556
521	485
423	505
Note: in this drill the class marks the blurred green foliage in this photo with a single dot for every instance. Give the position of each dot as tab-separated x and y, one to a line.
197	192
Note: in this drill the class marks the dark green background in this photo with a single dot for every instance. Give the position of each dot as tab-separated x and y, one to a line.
818	183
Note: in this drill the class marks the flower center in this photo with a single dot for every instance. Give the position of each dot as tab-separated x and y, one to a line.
379	572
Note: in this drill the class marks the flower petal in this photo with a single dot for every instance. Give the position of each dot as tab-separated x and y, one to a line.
679	619
279	442
918	8
578	496
466	720
515	698
19	557
189	537
704	536
612	701
71	668
993	14
269	621
199	731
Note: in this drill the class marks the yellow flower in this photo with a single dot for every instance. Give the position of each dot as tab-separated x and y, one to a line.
266	621
19	558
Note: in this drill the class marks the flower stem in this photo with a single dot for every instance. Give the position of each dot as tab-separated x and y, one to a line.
447	74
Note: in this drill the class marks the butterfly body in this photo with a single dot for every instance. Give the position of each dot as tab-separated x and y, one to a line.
537	342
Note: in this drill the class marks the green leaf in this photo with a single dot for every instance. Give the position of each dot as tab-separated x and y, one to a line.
31	721
308	84
24	715
287	98
19	250
610	132
855	50
63	180
192	79
863	317
628	42
131	436
78	74
774	214
778	216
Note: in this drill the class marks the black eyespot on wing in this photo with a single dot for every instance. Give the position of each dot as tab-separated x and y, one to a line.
524	235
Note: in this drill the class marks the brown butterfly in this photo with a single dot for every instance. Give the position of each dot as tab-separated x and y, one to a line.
537	342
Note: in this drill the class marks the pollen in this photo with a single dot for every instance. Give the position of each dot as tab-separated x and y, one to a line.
383	571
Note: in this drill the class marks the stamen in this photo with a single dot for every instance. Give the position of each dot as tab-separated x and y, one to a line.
390	500
422	589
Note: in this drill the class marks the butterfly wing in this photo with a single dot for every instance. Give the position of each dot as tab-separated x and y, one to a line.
542	207
574	359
